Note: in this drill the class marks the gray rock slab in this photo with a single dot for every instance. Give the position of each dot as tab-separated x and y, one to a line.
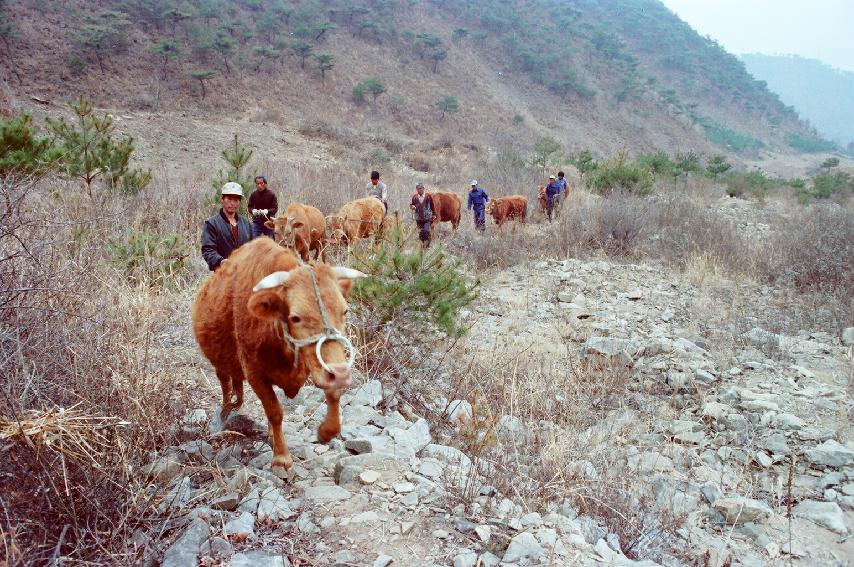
830	453
185	551
825	514
259	559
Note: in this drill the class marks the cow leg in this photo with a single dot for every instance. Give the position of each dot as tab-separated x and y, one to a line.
275	415
226	383
331	426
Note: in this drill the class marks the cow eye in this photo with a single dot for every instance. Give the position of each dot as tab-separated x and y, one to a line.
295	318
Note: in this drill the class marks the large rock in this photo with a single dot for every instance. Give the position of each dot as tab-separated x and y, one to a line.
368	394
650	461
848	336
273	507
830	453
618	351
524	547
826	514
185	551
738	510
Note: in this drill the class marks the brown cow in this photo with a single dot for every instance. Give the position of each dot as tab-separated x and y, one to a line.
447	209
503	209
541	199
301	227
356	220
258	318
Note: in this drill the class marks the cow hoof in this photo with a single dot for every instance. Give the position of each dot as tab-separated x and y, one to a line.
325	434
284	462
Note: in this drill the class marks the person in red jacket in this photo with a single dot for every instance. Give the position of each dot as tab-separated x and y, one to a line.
262	206
422	209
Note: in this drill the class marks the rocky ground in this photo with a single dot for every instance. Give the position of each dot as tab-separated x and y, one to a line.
739	436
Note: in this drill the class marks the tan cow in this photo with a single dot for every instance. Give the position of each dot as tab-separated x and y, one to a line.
447	209
503	209
356	220
258	319
301	227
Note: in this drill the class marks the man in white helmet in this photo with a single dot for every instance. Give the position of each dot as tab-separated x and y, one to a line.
226	230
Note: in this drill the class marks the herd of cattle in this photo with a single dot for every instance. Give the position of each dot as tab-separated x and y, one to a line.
269	318
306	229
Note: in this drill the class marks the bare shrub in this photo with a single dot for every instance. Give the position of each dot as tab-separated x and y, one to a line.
613	224
87	392
682	229
418	162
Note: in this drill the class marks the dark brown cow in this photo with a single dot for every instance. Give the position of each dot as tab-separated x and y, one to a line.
258	318
542	200
503	209
447	209
302	226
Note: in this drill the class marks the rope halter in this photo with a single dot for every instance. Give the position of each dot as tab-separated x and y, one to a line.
329	332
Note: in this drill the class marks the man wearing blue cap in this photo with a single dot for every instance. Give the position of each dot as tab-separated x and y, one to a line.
477	201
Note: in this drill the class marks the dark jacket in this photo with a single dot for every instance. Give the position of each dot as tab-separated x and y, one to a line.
477	199
552	189
217	240
265	199
423	211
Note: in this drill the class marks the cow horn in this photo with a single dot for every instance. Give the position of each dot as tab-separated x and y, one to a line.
342	273
273	280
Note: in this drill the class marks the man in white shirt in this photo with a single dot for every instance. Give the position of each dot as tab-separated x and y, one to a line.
378	189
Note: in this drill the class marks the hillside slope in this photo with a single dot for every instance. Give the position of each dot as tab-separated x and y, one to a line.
598	75
821	94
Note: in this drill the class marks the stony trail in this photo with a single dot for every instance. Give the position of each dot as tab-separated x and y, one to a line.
721	413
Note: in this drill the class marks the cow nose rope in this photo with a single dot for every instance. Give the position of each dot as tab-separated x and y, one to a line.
329	333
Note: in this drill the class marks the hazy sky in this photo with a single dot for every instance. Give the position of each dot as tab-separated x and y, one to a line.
816	29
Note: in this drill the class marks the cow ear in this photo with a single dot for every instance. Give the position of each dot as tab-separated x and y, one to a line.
266	304
270	224
297	224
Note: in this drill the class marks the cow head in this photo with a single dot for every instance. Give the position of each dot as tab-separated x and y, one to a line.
335	229
287	230
289	298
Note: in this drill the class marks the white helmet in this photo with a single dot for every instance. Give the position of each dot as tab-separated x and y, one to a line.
473	182
232	188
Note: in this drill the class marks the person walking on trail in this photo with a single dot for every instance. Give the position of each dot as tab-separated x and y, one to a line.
477	201
226	230
564	188
552	196
378	189
422	209
263	207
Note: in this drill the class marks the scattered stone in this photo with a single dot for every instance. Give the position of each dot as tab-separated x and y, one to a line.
327	493
216	547
465	559
524	546
369	477
459	412
826	514
484	533
163	469
228	502
259	559
848	336
737	510
383	561
650	461
241	527
197	416
273	507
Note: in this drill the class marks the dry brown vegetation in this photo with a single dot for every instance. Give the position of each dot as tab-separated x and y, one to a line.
99	368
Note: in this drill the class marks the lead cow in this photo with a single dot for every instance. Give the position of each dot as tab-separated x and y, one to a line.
258	319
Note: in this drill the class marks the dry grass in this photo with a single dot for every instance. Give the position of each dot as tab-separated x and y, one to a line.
91	379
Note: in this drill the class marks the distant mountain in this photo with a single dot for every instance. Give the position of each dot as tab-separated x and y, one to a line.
599	74
820	93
